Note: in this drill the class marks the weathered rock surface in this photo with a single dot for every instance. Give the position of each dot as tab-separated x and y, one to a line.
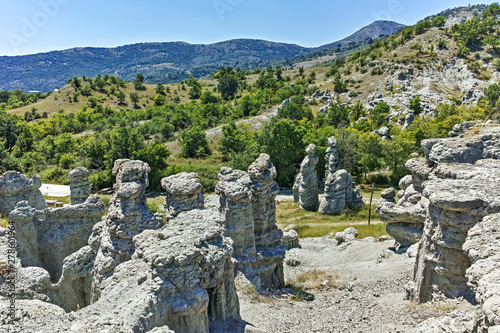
135	274
290	239
79	185
339	187
457	256
16	187
183	193
340	193
235	200
348	235
308	188
270	250
405	219
482	247
128	216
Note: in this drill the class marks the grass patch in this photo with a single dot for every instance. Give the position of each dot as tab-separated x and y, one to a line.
314	224
3	222
65	200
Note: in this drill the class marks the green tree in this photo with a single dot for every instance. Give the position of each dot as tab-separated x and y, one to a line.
415	105
369	147
379	114
338	85
195	91
121	97
232	139
160	100
138	83
295	109
194	143
282	140
160	89
134	97
228	86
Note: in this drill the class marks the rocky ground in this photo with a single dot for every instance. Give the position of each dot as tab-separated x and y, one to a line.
359	287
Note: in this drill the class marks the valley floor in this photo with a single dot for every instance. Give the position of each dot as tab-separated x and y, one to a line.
363	291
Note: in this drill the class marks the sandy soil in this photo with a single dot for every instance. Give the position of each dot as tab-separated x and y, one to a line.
364	293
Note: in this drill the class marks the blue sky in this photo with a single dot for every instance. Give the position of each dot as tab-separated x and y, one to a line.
32	26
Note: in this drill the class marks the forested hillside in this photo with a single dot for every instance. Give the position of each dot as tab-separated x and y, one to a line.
166	125
158	62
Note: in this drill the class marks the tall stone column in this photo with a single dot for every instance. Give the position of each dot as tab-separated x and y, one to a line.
269	247
235	196
308	188
79	185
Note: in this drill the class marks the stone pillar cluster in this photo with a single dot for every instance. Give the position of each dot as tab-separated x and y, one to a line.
247	202
340	191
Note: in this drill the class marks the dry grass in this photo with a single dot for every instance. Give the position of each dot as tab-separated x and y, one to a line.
314	280
427	310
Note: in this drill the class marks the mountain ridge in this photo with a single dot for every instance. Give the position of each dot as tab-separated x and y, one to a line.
163	61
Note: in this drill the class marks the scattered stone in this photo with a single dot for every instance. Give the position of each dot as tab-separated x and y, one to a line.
348	235
290	239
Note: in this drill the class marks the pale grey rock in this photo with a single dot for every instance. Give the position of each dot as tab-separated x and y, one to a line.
348	235
340	193
389	194
270	250
52	254
295	187
461	190
308	188
79	185
183	193
235	198
128	216
290	239
339	187
405	219
455	322
482	247
332	157
136	274
16	187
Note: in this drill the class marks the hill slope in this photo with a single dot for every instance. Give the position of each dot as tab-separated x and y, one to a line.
159	62
373	30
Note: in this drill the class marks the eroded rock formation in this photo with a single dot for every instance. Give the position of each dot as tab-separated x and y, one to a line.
235	199
340	191
405	219
183	193
16	187
248	204
455	188
79	185
135	274
270	250
128	216
308	187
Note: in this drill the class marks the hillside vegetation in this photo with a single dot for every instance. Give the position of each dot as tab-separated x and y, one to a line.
158	62
93	121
